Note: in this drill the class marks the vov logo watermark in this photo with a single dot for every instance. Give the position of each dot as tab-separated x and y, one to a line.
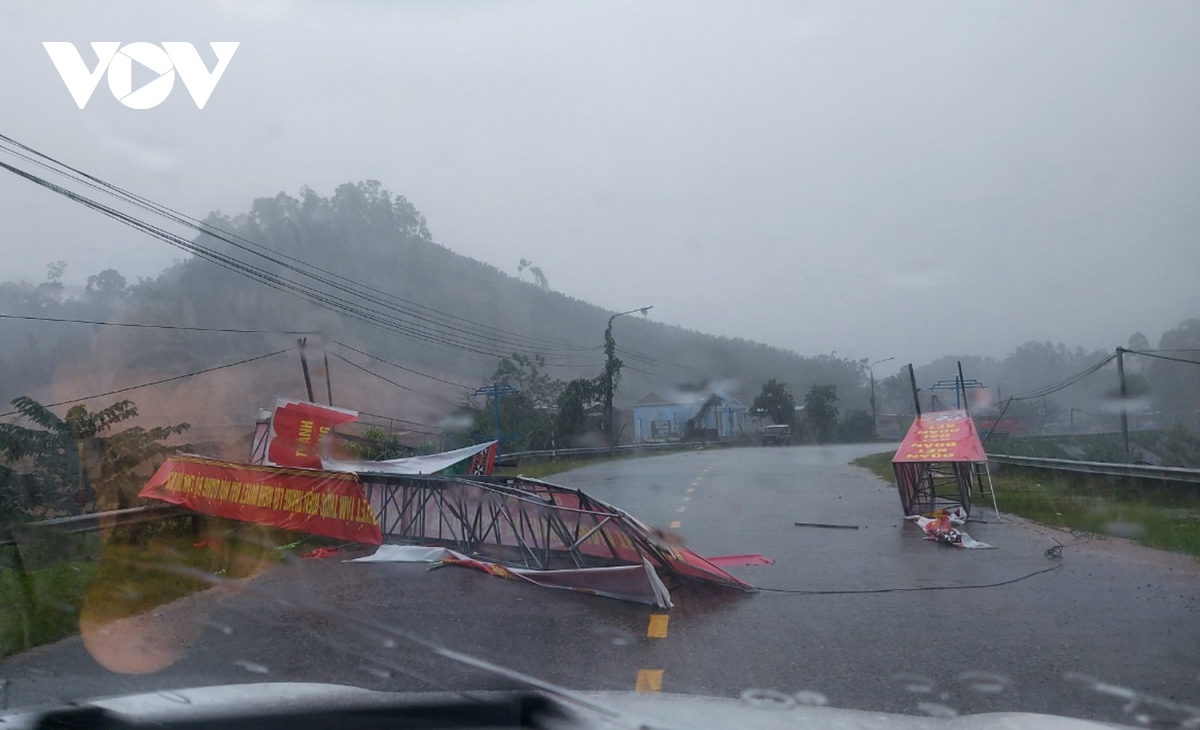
118	60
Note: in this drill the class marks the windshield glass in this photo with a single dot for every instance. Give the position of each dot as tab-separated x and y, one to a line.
787	353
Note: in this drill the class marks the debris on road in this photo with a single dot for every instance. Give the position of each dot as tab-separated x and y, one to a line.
824	524
727	561
942	526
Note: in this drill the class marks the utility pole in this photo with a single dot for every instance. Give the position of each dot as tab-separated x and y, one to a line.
495	390
612	372
912	381
1124	415
328	378
874	415
304	365
963	384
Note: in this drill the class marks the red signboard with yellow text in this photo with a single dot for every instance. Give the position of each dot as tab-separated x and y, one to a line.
942	436
297	428
317	502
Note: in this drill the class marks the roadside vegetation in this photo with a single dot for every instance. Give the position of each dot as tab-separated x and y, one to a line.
50	579
1159	515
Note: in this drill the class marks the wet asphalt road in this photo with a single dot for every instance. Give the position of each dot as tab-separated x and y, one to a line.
1110	610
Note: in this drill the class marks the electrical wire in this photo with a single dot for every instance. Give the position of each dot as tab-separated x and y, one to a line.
390	381
400	420
1065	382
1145	353
471	330
329	301
154	382
401	367
154	326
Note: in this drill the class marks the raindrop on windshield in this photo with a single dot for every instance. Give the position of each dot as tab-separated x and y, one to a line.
174	697
768	698
378	672
810	697
914	683
252	667
1128	530
389	643
223	628
985	682
934	709
614	636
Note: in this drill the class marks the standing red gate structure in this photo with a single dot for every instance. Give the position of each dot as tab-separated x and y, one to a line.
937	461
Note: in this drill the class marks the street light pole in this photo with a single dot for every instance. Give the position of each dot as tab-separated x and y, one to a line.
874	416
612	371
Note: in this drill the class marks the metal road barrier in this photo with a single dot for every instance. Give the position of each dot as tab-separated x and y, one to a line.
1138	471
93	522
605	450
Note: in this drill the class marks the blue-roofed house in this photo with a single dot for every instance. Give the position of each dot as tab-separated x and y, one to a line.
665	419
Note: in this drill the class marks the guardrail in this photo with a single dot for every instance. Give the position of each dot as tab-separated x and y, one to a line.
604	450
94	521
1138	471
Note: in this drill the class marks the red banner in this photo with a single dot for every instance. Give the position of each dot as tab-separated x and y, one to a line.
942	436
483	463
296	430
321	503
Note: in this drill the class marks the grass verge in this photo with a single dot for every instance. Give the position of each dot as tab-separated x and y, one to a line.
543	468
1158	515
48	581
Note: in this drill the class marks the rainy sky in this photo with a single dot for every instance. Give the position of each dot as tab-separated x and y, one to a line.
867	179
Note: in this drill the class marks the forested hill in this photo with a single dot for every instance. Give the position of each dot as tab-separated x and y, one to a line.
369	275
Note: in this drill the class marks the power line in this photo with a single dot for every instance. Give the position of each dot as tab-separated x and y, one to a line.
474	332
329	301
400	420
401	367
1145	353
154	326
1064	383
154	382
389	380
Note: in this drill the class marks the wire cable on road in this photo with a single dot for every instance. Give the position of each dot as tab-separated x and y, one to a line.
910	589
155	382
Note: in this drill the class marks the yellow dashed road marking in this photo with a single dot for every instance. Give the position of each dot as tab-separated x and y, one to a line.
676	524
681	508
649	680
658	626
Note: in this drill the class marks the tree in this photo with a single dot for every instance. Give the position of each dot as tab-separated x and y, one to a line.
525	416
820	411
108	281
776	402
376	444
1176	385
77	459
857	427
573	403
539	278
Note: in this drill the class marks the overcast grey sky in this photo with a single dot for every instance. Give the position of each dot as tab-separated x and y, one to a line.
876	179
